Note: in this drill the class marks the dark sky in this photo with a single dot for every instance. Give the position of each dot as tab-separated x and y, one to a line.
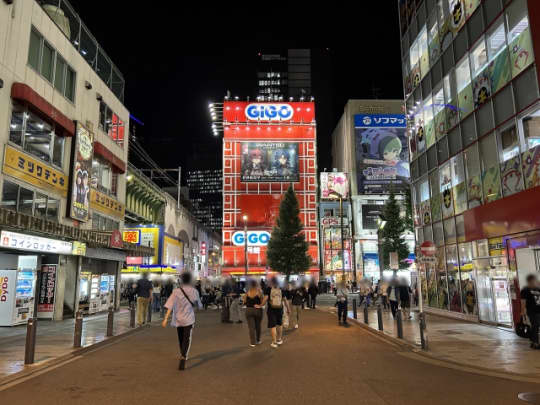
176	60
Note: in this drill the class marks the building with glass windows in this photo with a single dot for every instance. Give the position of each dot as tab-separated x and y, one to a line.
206	195
471	89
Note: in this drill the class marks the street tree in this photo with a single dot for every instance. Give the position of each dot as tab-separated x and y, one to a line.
287	250
391	234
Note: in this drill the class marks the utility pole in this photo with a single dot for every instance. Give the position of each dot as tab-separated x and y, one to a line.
245	218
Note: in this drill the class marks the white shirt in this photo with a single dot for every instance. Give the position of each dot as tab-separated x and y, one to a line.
183	312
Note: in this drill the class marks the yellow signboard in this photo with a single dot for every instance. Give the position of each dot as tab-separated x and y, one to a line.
173	251
133	236
149	236
79	248
107	205
24	167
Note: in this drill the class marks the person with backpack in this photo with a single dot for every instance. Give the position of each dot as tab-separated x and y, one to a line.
276	305
181	304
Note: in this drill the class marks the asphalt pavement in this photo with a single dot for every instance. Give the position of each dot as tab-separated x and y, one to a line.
320	363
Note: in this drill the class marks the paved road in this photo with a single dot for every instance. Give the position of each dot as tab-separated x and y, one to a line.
320	363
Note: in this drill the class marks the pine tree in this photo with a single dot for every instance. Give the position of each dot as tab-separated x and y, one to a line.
287	251
392	233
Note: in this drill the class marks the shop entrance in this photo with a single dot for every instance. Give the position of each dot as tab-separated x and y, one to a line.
493	291
97	285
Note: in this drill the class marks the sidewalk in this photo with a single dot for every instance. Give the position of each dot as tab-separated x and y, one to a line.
54	339
464	343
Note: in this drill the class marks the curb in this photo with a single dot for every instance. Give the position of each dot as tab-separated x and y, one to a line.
416	350
30	370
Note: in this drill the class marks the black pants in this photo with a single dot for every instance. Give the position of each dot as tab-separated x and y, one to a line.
342	311
535	323
254	318
393	307
385	301
313	301
184	339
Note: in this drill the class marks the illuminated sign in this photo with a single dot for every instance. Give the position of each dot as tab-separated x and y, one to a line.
79	249
254	238
133	236
269	112
32	243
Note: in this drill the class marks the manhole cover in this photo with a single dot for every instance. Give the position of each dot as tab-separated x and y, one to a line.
530	397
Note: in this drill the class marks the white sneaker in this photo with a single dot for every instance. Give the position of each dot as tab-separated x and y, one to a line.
273	345
296	326
279	342
252	345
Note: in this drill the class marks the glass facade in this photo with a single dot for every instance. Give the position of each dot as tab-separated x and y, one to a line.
471	88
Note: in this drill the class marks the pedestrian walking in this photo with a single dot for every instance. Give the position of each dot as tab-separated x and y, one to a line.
144	298
181	303
298	297
254	312
530	308
276	305
393	296
226	292
156	297
383	292
313	291
405	298
341	303
235	304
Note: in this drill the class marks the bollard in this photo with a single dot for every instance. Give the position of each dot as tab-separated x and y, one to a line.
355	314
149	319
132	315
379	317
110	322
423	334
30	347
366	315
163	307
399	318
77	335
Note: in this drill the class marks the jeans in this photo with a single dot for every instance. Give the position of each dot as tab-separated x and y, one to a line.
295	315
393	307
385	301
342	311
313	301
184	339
235	310
156	302
254	318
142	310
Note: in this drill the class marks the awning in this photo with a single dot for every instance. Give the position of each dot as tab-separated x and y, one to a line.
23	92
118	164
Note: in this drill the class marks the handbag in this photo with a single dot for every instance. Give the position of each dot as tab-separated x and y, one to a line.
523	329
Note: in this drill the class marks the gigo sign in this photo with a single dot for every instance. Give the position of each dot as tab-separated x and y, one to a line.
269	112
254	238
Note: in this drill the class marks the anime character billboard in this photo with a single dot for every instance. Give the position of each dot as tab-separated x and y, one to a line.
381	153
269	161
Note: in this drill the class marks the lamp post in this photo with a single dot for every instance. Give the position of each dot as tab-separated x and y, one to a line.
245	218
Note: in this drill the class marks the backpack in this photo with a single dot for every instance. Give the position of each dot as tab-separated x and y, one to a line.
276	300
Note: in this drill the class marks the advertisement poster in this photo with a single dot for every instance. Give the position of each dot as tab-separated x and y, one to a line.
381	153
334	186
511	177
465	100
499	71
531	167
436	213
460	198
269	162
457	15
475	192
481	88
491	180
47	291
447	203
521	52
83	150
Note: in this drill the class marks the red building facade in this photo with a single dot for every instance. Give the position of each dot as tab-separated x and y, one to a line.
266	147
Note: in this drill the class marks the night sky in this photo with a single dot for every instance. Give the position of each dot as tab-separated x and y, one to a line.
176	60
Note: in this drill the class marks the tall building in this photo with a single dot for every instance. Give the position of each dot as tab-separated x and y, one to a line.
206	195
471	88
369	145
266	148
284	73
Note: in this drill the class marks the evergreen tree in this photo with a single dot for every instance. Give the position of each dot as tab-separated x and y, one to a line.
392	233
287	250
409	223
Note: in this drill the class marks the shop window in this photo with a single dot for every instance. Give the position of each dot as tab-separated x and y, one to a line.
511	176
47	62
102	176
34	52
531	129
26	201
420	131
467	278
431	281
530	126
40	205
436	214
499	62
445	179
16	128
474	176
459	188
20	199
450	99
450	230
438	233
52	209
111	124
433	39
70	84
491	181
464	87
439	120
10	193
101	223
423	52
429	127
519	37
454	290
60	74
460	228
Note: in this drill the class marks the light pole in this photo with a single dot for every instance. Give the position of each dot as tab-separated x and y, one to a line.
245	218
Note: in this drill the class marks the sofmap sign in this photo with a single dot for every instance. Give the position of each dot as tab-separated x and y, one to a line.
380	121
254	238
269	112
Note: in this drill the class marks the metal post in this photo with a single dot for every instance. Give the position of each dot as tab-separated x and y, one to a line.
399	318
246	270
132	315
110	322
421	315
423	333
342	239
30	346
366	315
77	335
379	317
355	314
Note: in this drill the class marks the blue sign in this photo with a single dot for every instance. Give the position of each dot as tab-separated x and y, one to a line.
269	112
380	121
254	238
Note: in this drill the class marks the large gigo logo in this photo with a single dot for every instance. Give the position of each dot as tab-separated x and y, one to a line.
254	238
269	112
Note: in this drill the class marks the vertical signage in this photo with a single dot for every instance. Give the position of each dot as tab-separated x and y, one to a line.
83	150
47	290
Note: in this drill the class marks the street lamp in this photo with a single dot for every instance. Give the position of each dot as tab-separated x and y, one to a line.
245	218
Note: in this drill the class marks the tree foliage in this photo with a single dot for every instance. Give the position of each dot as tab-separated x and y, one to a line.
392	234
409	224
287	251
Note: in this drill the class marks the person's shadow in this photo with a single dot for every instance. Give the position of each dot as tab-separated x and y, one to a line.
202	358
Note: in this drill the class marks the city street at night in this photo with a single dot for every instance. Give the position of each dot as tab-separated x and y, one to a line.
319	363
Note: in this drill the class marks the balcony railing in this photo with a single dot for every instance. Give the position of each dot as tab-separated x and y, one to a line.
69	22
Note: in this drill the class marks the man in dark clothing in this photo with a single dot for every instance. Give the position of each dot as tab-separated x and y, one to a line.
405	299
313	291
298	296
144	298
530	306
